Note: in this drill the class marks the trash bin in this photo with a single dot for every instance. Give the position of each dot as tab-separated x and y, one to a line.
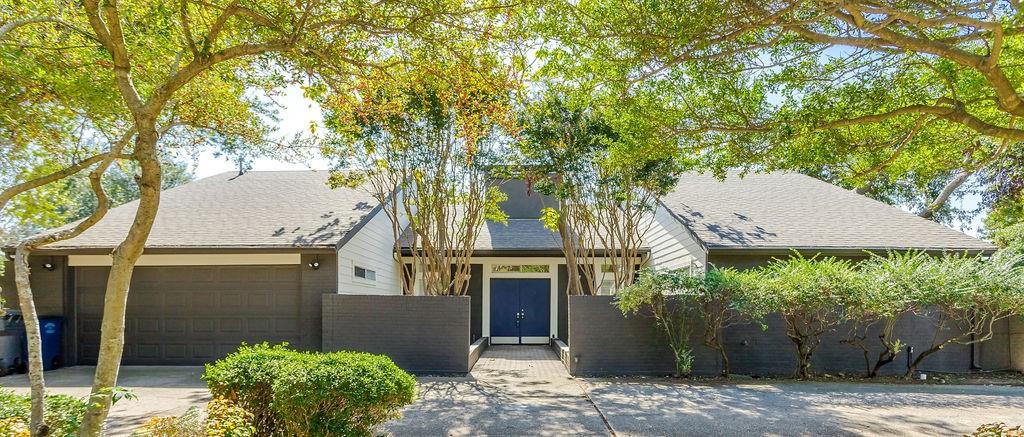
51	329
10	354
14	351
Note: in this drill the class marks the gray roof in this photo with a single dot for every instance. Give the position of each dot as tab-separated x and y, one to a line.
272	209
522	234
518	234
789	210
296	209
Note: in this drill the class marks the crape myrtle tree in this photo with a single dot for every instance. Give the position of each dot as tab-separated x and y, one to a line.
424	141
810	294
911	102
152	60
883	296
725	300
607	166
968	295
675	299
671	299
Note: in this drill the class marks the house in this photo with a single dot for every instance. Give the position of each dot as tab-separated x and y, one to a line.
262	257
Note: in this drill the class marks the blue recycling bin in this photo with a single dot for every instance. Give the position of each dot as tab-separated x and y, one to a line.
51	332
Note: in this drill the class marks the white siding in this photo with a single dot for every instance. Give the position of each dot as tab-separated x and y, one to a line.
372	247
672	245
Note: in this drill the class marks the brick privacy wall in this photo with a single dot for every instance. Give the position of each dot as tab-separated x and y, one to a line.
1016	337
602	341
424	334
313	284
606	342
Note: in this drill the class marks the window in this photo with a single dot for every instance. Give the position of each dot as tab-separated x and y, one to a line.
366	274
520	268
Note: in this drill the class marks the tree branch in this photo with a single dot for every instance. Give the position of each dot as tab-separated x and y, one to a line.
14	24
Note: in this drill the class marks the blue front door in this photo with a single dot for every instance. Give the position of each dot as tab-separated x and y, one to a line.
520	310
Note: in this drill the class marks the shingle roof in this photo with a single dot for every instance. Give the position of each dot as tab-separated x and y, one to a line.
518	234
274	209
296	209
789	210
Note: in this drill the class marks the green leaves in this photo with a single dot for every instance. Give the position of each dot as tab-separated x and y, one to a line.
806	284
299	393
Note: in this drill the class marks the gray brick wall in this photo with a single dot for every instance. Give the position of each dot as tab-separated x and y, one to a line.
424	334
313	284
1016	346
603	341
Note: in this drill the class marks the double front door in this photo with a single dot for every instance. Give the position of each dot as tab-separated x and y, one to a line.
520	311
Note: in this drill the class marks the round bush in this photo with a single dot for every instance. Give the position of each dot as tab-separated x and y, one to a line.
305	394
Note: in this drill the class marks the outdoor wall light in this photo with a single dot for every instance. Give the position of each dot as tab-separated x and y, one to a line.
315	264
49	266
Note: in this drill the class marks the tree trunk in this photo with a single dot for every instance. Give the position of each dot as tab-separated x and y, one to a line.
23	282
920	357
887	356
35	352
725	360
803	358
116	297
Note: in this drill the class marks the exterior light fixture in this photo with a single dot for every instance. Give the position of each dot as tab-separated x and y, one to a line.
315	264
49	265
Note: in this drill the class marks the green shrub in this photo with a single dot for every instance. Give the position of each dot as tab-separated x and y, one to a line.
671	298
304	394
63	413
189	424
998	430
226	419
246	377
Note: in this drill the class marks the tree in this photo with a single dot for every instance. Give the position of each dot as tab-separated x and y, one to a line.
72	198
969	295
607	178
159	63
884	295
425	142
809	294
671	299
725	301
905	101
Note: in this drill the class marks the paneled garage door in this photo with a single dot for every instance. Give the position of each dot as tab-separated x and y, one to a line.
192	315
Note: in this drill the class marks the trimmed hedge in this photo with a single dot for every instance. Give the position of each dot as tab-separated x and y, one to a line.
311	393
63	413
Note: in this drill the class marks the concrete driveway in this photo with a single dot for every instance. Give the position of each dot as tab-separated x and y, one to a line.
524	390
162	391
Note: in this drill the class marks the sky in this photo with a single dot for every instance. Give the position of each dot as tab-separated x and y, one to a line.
296	114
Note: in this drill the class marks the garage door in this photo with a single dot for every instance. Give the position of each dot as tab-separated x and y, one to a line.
192	315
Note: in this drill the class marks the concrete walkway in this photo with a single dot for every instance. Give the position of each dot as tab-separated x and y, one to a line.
513	390
162	391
